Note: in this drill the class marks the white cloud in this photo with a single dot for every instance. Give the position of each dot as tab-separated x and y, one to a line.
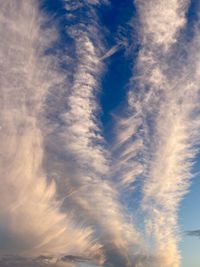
161	20
158	136
31	222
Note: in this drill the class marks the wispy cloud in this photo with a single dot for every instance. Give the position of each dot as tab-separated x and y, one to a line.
112	51
195	233
169	132
156	140
60	165
156	26
86	145
31	219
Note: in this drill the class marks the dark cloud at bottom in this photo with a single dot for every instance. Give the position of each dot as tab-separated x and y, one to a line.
113	260
17	261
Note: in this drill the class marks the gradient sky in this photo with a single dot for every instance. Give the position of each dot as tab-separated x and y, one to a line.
189	219
100	132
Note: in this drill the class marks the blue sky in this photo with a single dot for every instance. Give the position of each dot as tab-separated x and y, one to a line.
189	219
100	127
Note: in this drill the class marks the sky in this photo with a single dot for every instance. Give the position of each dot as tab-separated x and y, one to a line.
99	129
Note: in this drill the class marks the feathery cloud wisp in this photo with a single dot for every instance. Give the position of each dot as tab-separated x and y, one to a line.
157	140
31	220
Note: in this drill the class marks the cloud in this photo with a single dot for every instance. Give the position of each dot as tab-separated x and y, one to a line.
155	141
170	128
41	261
156	26
195	233
112	51
85	145
31	220
60	166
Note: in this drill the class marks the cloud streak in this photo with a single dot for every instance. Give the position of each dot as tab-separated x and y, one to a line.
156	141
195	233
62	147
31	219
85	143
